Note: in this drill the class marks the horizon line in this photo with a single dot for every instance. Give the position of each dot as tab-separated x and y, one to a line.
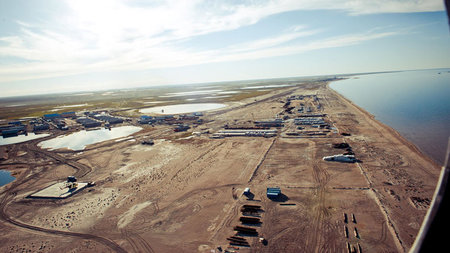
214	82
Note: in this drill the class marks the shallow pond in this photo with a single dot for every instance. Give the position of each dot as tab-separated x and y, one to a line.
266	86
20	138
79	140
182	108
5	177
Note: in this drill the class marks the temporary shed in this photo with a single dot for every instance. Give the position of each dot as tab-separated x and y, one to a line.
340	158
273	192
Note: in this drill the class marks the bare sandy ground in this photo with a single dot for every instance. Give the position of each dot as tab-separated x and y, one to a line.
185	194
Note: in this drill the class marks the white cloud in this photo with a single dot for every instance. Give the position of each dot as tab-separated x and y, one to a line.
358	7
290	35
114	35
340	41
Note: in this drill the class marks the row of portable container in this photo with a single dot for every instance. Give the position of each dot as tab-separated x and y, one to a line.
246	132
309	121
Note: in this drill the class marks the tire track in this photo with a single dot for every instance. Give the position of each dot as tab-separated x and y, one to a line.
197	159
315	240
10	193
260	162
136	241
383	235
5	217
227	220
82	169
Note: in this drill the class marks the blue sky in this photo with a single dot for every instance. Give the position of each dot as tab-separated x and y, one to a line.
52	46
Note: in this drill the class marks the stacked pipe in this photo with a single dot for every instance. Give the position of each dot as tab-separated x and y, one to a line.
250	220
250	209
246	230
236	240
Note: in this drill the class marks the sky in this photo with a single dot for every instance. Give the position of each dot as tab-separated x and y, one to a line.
53	46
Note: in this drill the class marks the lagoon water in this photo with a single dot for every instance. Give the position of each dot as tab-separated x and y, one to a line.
79	140
415	103
5	177
20	138
266	86
182	108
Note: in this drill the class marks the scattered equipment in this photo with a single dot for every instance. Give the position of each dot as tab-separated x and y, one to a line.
71	179
246	191
148	142
181	128
341	145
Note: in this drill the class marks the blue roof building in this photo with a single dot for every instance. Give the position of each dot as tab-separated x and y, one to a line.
52	116
273	192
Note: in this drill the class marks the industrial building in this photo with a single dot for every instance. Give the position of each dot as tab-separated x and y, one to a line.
109	119
40	127
245	132
270	123
2	128
296	97
181	128
60	123
15	123
87	122
165	118
52	116
273	192
187	117
68	115
144	119
309	121
170	119
12	130
312	115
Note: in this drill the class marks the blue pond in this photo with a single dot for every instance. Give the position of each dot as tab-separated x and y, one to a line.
5	177
79	140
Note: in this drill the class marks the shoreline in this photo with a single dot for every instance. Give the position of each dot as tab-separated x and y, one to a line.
388	128
394	138
393	225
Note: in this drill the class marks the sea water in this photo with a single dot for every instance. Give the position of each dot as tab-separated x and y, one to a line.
415	103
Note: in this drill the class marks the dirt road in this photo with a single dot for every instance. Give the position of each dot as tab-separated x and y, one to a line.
184	193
